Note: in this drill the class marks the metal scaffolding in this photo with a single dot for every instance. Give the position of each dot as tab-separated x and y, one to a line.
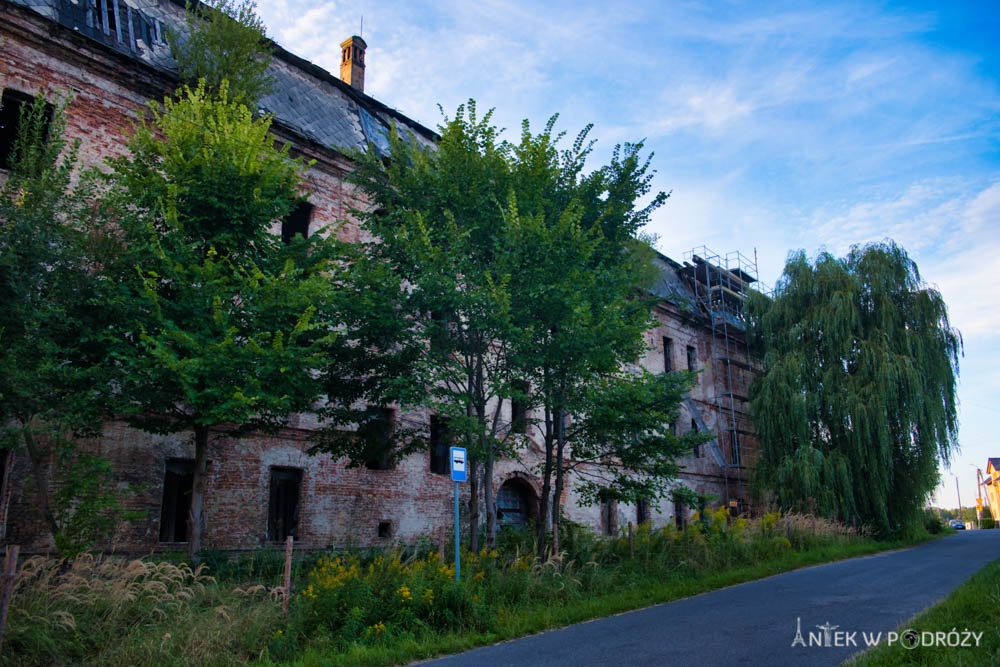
720	284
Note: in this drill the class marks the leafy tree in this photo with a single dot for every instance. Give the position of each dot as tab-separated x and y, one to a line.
52	329
225	325
225	41
855	404
438	226
582	311
509	267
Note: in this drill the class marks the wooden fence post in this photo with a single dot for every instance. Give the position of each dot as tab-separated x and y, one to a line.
9	576
288	575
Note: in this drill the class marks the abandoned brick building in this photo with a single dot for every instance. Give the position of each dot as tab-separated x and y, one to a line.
111	56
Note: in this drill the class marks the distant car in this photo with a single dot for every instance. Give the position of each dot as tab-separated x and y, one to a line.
956	524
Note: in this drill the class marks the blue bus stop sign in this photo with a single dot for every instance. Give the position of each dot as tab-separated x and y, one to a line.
458	465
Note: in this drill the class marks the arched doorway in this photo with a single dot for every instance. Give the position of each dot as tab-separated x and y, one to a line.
517	504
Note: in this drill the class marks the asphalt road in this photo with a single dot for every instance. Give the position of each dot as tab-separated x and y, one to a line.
755	623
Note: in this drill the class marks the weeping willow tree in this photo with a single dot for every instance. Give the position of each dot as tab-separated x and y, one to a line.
855	405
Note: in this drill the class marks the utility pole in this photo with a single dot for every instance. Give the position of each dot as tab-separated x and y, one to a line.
959	498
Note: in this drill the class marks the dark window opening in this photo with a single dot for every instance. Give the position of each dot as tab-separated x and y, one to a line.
110	22
14	106
642	511
178	480
696	451
440	446
673	427
734	447
297	222
680	516
283	505
519	408
384	529
692	359
440	328
376	432
609	517
668	364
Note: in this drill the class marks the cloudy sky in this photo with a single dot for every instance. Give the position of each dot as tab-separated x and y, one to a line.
775	127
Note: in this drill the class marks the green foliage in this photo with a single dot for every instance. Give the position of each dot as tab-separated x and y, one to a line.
54	373
225	41
221	325
856	403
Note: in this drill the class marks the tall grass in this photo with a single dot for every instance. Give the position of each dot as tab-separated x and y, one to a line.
373	607
116	611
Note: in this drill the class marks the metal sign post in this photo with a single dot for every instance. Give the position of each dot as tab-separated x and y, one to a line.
458	474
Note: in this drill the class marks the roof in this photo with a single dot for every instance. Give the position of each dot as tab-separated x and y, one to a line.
993	461
308	100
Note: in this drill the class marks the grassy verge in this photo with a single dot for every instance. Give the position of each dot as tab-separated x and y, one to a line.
382	608
974	606
635	590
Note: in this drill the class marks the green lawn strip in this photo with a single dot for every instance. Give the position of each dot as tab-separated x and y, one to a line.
523	621
975	605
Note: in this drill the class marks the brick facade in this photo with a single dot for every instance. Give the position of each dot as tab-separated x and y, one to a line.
338	505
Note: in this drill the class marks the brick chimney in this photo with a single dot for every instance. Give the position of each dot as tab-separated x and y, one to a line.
352	62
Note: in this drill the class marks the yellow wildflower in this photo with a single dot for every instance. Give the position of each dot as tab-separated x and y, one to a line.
404	593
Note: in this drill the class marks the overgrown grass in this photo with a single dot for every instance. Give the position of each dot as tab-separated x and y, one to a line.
374	608
974	606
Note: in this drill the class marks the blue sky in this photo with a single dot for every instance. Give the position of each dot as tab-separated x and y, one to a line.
776	126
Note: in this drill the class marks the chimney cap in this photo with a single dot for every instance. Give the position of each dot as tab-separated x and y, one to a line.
354	39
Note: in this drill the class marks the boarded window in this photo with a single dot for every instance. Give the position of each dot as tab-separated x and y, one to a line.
516	503
178	479
297	223
440	445
692	359
13	105
609	517
376	432
519	408
680	515
283	504
642	511
668	350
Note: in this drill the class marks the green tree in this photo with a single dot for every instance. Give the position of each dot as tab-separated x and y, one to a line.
582	310
225	41
855	404
53	374
225	325
438	226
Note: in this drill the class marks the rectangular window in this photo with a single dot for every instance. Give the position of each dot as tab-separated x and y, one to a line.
178	480
13	105
692	359
642	511
440	446
376	432
609	517
283	504
297	223
673	427
519	408
680	515
696	452
668	350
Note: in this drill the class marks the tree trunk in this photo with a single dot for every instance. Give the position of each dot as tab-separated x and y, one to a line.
473	505
196	517
543	502
560	475
37	459
489	501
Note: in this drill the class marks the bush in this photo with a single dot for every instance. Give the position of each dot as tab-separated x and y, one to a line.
932	522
